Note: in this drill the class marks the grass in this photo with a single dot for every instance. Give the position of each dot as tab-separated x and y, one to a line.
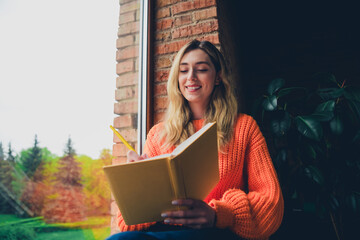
94	228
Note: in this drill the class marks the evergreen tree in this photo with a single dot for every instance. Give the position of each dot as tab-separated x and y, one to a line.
32	161
2	156
10	157
6	179
69	150
69	170
6	168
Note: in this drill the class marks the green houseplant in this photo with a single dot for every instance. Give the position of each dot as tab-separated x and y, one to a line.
314	139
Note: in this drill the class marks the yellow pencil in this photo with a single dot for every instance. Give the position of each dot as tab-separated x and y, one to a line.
122	139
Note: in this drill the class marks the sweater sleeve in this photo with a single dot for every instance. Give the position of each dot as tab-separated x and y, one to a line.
258	213
151	149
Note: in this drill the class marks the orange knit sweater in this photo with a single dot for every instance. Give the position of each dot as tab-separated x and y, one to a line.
247	198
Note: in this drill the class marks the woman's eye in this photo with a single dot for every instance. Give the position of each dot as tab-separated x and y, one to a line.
183	71
202	70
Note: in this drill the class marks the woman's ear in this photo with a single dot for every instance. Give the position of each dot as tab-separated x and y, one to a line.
218	78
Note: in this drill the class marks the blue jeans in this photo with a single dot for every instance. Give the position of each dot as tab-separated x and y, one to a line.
176	233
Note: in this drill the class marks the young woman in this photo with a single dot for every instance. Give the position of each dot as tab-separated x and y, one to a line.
247	201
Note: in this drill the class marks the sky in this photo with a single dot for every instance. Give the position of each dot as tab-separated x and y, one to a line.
58	74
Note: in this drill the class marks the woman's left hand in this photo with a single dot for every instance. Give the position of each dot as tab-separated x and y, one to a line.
198	215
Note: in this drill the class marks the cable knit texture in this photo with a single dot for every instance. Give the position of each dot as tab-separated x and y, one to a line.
247	198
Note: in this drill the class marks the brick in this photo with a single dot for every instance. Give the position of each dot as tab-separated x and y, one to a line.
136	64
129	134
163	3
162	62
205	14
160	103
130	6
160	89
163	35
164	24
127	79
126	66
213	38
189	6
161	75
126	107
119	150
126	93
137	37
127	17
204	3
128	28
125	41
137	15
197	29
124	121
169	47
126	1
183	20
182	7
126	53
162	13
114	210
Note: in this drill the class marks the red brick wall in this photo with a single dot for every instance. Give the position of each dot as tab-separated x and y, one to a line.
176	23
126	93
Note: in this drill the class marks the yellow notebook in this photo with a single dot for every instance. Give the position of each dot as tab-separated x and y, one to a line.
145	189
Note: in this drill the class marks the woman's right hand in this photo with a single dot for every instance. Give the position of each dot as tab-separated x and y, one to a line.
134	157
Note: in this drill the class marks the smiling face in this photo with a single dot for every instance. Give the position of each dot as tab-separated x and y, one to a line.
197	79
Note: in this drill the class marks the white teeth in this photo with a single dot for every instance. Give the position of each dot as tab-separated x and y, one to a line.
193	88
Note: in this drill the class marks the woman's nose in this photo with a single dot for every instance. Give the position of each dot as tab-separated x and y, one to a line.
191	74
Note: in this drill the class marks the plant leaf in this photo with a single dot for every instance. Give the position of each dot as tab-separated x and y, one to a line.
270	103
323	116
355	106
314	174
275	85
281	125
330	93
309	127
326	106
352	93
310	151
353	202
325	111
333	203
336	125
286	91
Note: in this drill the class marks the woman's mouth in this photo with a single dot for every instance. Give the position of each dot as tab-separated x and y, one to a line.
193	88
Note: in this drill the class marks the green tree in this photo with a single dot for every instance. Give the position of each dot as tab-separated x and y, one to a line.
32	160
69	150
10	157
2	156
6	179
6	168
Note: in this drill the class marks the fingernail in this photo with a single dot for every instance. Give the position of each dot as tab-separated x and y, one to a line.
164	215
174	202
166	221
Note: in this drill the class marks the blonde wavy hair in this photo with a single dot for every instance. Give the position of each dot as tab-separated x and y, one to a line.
222	107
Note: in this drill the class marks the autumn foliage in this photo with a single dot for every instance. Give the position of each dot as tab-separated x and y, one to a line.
67	189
